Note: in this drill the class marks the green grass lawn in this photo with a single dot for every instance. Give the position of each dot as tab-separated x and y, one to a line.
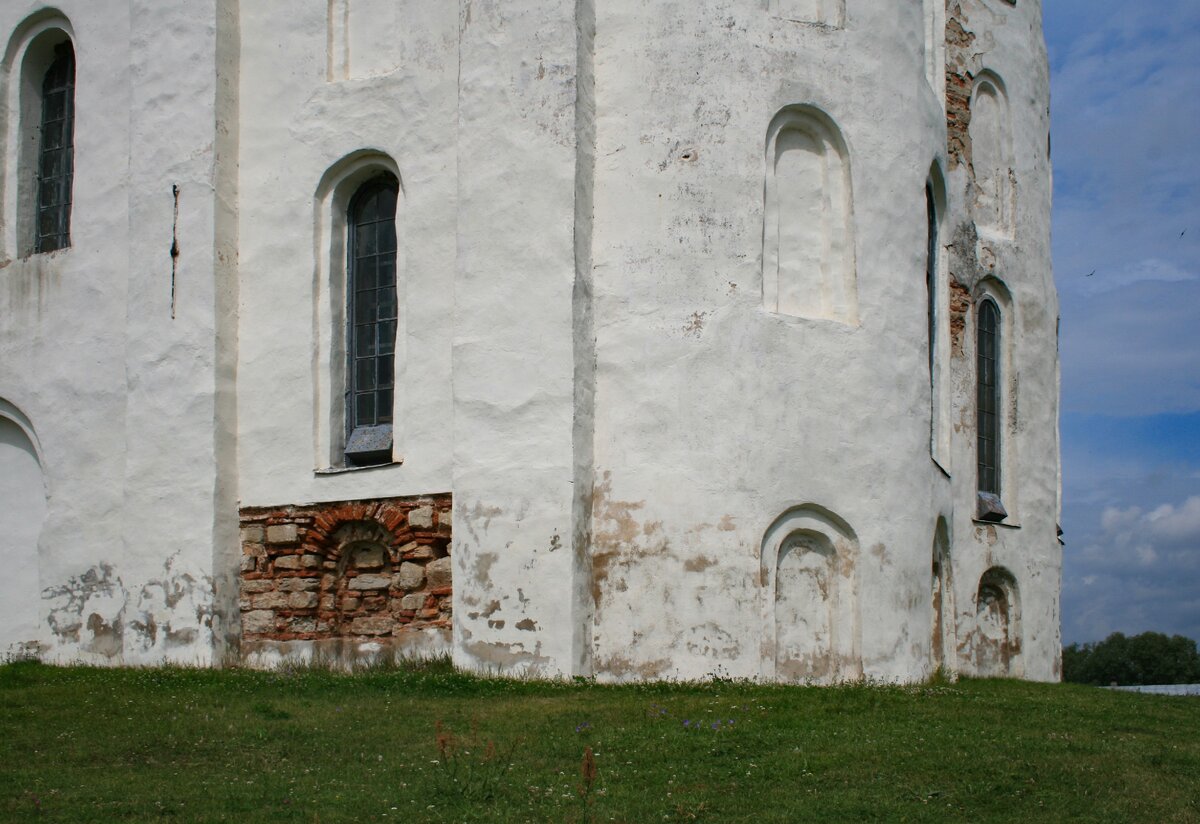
429	744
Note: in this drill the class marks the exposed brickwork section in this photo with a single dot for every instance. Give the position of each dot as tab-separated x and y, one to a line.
363	570
960	306
959	83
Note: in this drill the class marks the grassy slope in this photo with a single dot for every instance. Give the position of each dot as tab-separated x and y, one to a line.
85	745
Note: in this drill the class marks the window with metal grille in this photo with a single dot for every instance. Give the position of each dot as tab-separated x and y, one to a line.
371	321
56	162
931	251
987	347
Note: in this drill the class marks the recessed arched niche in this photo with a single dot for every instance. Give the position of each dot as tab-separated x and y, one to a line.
23	493
998	625
808	233
991	154
811	631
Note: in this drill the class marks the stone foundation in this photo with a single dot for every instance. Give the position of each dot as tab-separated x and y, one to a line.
351	578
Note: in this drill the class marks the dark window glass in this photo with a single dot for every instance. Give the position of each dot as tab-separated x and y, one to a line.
987	347
371	303
931	274
56	153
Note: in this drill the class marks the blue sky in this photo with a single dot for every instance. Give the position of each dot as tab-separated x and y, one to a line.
1125	81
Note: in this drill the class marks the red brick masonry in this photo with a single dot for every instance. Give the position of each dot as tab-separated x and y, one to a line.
362	570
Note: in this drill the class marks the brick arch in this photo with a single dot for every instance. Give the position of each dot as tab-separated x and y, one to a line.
370	570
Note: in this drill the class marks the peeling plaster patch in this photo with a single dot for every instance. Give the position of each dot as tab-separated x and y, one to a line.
695	324
483	566
106	637
986	534
960	307
726	524
616	529
480	513
180	603
711	641
100	595
492	608
620	667
528	625
698	564
508	656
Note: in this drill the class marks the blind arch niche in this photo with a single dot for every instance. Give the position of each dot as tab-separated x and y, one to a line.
808	233
809	579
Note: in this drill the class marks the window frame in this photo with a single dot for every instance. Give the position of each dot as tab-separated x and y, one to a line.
62	178
369	443
29	54
990	374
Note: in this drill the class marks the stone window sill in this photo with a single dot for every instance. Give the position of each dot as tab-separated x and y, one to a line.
341	470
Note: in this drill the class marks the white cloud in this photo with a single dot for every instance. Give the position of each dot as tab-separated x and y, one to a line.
1115	518
1176	524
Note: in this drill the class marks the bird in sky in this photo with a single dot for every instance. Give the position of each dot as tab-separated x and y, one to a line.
1089	274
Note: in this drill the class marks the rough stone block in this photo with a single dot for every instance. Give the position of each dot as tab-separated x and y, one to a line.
327	602
302	625
310	561
302	600
444	521
419	552
249	563
282	534
257	550
421	517
372	625
257	587
269	600
366	582
259	620
288	562
299	585
413	601
350	603
439	573
369	557
253	534
409	577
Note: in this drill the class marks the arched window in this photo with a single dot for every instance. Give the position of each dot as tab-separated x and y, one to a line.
56	162
931	256
988	394
371	320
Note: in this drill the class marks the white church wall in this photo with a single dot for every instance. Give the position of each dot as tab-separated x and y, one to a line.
519	585
1012	263
300	133
120	394
597	370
